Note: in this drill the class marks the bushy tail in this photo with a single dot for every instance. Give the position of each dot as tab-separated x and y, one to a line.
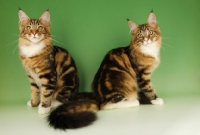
74	114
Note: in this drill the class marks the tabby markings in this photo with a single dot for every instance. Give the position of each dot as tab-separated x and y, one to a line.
36	79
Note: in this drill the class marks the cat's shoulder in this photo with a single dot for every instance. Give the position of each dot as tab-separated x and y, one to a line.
118	50
59	49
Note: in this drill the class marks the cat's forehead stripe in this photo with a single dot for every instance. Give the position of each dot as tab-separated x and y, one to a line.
34	21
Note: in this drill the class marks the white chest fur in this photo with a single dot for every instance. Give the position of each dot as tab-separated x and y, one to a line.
151	49
32	49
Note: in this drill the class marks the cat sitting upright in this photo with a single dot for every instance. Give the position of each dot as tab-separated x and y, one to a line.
125	69
115	85
51	69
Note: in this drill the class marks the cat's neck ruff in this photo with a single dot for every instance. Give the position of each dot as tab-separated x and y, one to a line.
151	49
32	49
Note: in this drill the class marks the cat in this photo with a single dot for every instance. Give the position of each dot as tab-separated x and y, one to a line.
51	69
122	71
125	69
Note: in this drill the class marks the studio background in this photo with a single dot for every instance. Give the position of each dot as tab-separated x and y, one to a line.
88	29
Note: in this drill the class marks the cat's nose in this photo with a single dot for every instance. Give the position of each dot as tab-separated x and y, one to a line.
146	39
34	33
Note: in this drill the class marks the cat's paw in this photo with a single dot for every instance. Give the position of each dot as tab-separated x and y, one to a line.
43	110
136	103
157	101
29	103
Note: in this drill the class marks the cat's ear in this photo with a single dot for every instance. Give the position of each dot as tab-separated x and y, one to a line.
45	18
152	19
23	18
133	26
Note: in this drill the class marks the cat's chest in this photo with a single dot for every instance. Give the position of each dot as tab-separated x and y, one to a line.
31	50
151	49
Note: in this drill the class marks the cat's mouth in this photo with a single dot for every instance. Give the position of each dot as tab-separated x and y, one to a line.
35	39
147	41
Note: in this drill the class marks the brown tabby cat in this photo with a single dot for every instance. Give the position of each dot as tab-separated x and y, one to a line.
121	73
125	69
51	70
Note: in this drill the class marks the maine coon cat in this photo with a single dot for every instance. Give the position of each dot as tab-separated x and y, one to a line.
126	69
51	69
122	71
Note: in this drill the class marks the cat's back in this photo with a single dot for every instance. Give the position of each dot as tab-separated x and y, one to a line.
115	61
63	60
117	57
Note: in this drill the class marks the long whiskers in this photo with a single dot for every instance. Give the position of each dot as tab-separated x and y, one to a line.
11	44
14	50
53	37
56	37
167	45
14	35
57	41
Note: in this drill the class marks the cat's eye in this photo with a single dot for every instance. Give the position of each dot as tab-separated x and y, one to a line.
140	35
151	32
28	27
40	28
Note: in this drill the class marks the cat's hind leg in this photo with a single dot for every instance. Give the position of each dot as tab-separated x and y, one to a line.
55	103
120	102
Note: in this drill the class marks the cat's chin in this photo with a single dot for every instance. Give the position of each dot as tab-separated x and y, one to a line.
35	40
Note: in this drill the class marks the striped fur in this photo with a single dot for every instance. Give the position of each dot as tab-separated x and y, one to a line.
125	69
51	69
115	85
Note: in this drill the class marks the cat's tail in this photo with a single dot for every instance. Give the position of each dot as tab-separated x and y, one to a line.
74	114
143	99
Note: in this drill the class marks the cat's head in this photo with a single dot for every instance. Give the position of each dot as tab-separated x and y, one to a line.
34	30
147	33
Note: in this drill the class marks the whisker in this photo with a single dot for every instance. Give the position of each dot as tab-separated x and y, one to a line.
11	43
56	37
14	50
169	38
57	41
163	48
167	45
14	35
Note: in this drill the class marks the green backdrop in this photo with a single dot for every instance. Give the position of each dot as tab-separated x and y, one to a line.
88	29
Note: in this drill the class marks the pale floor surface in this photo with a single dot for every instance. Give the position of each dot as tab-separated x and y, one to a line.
178	116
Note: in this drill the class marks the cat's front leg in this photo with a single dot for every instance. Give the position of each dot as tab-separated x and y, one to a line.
47	90
146	87
35	93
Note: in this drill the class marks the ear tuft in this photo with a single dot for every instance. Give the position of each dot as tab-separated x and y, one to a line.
152	19
23	18
45	18
133	26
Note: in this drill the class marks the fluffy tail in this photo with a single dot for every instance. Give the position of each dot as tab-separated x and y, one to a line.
74	114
